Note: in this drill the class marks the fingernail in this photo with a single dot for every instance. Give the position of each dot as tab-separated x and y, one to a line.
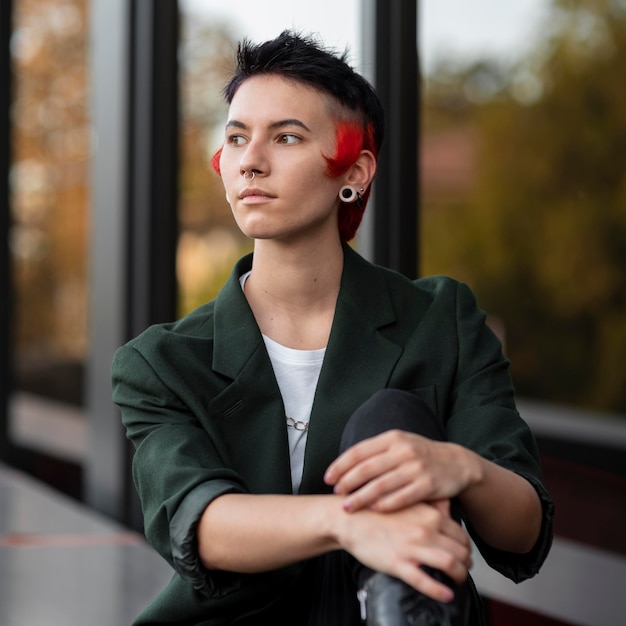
447	595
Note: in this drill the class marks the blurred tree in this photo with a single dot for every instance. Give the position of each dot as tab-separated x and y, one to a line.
50	184
206	61
49	187
541	233
210	241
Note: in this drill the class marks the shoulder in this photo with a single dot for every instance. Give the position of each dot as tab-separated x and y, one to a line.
388	295
445	289
358	264
197	324
160	347
449	301
439	289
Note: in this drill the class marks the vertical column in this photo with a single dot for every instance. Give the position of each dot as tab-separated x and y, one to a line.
106	466
390	29
154	164
134	237
5	220
153	188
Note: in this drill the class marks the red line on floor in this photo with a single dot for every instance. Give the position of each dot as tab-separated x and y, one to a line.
31	540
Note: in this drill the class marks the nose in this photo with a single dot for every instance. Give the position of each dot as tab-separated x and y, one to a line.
254	159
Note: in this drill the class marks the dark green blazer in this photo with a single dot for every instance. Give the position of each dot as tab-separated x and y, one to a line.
201	405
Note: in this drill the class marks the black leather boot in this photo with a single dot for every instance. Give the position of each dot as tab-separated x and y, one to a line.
387	601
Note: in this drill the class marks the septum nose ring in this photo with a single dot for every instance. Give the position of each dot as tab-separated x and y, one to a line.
248	176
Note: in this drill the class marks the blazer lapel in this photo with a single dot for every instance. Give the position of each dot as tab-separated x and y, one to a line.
358	361
249	411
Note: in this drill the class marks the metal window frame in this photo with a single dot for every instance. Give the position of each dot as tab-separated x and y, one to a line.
6	79
134	235
390	48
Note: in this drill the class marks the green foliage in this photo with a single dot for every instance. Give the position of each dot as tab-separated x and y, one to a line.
542	238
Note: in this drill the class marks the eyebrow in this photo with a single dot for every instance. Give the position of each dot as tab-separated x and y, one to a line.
272	126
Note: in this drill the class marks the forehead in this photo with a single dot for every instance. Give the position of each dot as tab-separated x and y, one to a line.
275	96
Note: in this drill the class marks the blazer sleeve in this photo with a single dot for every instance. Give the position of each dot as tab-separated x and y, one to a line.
483	417
177	468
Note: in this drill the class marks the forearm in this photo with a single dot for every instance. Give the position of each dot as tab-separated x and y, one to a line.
254	533
502	506
249	534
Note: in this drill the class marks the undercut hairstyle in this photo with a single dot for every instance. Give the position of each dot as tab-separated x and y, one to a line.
359	116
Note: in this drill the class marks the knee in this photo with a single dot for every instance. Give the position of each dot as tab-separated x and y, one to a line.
389	409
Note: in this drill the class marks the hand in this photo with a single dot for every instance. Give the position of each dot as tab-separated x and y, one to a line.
399	543
397	469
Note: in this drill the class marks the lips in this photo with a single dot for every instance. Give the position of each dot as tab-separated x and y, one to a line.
254	191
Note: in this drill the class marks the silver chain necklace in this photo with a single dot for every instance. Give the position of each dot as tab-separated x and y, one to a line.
297	424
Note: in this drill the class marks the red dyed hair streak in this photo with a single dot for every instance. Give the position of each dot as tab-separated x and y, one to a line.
215	161
350	141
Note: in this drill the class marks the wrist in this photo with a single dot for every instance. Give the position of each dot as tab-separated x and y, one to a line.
333	521
472	467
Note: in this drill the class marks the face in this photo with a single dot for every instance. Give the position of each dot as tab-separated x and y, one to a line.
280	130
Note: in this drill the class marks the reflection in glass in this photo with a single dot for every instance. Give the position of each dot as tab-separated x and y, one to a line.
49	197
209	240
525	199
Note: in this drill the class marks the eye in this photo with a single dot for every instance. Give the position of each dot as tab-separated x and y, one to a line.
288	139
236	140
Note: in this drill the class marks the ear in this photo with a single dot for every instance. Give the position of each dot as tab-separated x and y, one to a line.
362	171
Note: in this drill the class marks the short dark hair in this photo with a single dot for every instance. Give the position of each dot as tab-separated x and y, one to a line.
305	60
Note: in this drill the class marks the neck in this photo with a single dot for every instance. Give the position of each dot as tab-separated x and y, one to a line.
293	291
297	277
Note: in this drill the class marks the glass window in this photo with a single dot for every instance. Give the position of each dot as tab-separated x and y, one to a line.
49	212
524	198
524	193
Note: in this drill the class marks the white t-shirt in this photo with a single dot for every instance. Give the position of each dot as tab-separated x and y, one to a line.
297	373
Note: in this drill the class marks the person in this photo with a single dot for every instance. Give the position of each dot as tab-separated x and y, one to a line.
324	441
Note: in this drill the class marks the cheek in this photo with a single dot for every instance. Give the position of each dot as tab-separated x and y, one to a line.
319	188
224	164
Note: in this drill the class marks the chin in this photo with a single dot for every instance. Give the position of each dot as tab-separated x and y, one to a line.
262	230
257	232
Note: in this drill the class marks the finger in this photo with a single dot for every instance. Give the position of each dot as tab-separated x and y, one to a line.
388	501
455	531
447	538
381	470
370	468
351	457
362	473
445	560
422	582
379	489
361	451
461	552
443	506
399	489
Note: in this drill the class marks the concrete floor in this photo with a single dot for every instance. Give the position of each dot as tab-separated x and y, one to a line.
61	564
